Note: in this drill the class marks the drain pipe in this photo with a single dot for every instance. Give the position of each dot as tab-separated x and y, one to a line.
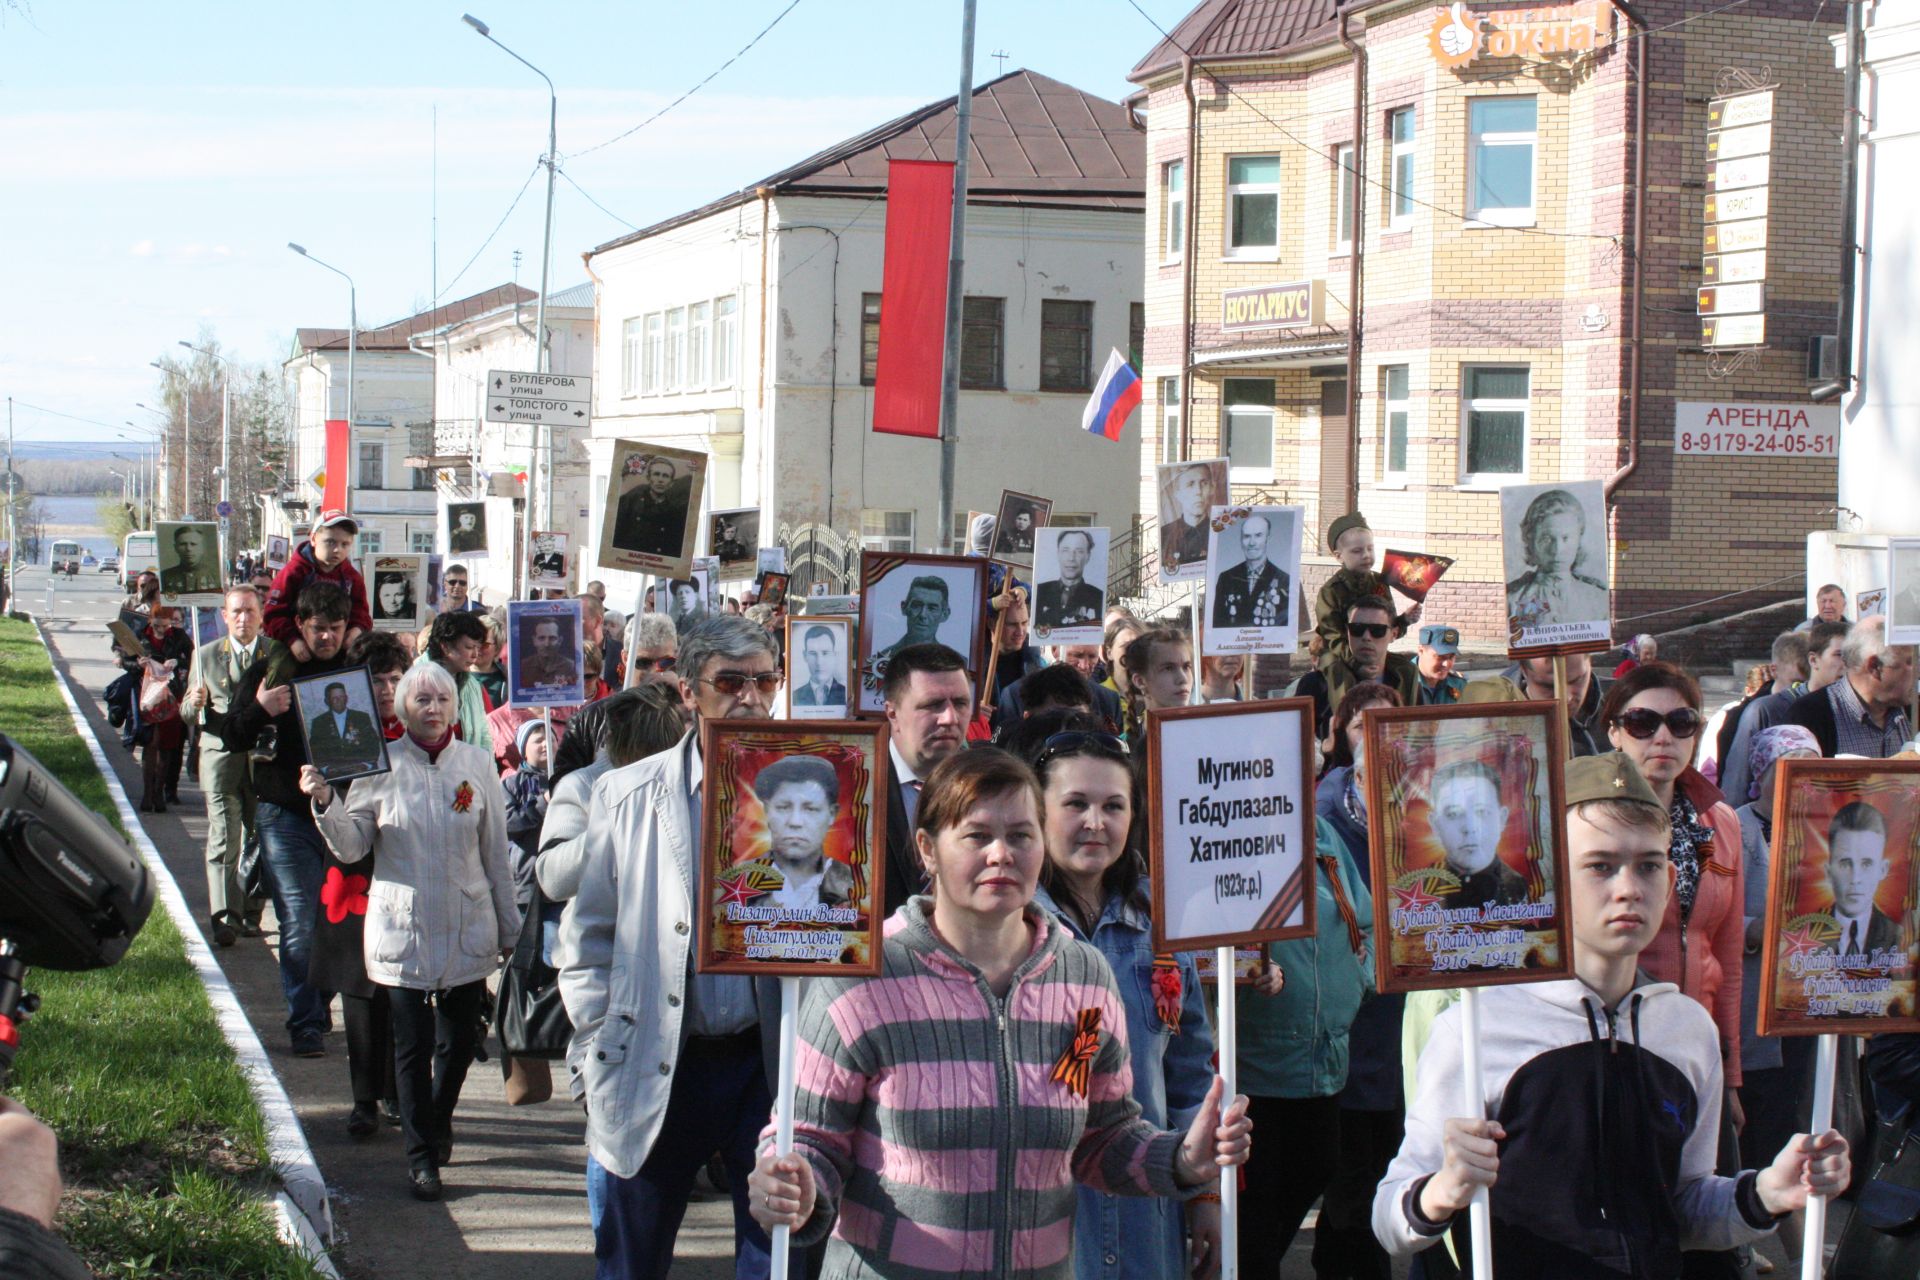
1636	336
1354	254
1189	252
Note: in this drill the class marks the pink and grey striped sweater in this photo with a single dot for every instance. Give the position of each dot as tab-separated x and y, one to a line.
938	1139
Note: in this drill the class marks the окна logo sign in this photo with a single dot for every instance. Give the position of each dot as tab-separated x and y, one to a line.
1455	37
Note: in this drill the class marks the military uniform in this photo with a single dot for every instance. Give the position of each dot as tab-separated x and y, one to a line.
1261	599
1055	605
649	524
1183	544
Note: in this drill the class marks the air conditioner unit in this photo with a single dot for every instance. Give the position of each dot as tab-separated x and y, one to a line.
1823	357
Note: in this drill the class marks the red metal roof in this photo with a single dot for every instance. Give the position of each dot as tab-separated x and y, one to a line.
1218	30
393	337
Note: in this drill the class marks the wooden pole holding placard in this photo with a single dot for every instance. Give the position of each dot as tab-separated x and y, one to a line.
1474	1103
1228	1025
783	1102
1813	1249
546	721
639	607
1560	696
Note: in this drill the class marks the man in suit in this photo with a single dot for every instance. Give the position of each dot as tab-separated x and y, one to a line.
652	517
1856	863
215	673
1183	534
344	740
929	702
824	688
1069	600
1256	593
1468	819
192	571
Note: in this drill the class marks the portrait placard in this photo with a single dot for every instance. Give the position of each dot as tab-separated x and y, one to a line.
1413	573
1870	604
341	723
819	667
277	550
918	599
1467	832
1070	585
463	530
772	588
733	539
1230	817
1903	591
1188	492
688	599
824	605
1253	562
772	559
653	508
188	556
208	624
1842	899
1021	515
549	565
792	847
396	591
545	654
1554	544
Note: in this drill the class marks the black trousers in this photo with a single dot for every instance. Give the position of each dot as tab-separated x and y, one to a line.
1344	1247
370	1045
1284	1180
434	1038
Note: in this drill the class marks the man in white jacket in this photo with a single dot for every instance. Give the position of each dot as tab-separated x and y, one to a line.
1599	1097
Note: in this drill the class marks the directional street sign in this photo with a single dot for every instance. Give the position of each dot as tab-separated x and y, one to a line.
561	399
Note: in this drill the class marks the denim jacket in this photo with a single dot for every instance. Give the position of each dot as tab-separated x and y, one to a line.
1126	1237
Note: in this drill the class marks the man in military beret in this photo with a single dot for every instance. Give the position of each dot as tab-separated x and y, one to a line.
1439	652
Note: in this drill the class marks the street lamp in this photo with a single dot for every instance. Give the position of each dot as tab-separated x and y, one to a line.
353	331
186	443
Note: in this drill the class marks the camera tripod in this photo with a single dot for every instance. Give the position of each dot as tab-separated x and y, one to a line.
17	1004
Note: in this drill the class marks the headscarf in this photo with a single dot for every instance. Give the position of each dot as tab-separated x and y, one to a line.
980	535
1772	743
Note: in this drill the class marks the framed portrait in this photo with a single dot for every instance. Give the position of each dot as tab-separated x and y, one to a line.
1230	817
341	723
792	847
653	508
208	624
545	655
1021	516
277	550
188	556
434	562
918	599
1412	573
548	565
1253	571
463	531
1188	493
1903	591
733	539
772	559
1870	604
823	605
1554	547
1070	585
1841	900
687	599
1246	962
819	667
772	587
396	591
1467	830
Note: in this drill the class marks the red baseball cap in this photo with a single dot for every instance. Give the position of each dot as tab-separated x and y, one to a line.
335	518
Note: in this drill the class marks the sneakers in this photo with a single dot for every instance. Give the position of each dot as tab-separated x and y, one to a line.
308	1044
364	1119
426	1184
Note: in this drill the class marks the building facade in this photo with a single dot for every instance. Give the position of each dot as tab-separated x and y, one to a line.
1519	321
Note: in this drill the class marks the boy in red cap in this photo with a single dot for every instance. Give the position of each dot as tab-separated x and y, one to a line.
326	556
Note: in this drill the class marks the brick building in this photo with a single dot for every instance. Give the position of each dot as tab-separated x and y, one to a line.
1496	215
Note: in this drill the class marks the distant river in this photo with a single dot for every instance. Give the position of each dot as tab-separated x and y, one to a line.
78	518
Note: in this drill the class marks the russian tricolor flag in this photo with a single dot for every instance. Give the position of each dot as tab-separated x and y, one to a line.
1115	396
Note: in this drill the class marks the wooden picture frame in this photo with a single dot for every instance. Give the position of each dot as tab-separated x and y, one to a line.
799	666
383	571
649	525
361	749
1009	544
879	574
740	852
1228	801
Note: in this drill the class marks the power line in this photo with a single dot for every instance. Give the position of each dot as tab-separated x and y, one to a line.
491	234
595	203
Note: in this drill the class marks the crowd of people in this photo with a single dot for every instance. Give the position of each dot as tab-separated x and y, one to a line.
930	1138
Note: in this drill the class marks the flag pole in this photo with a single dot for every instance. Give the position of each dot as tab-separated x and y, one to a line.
956	257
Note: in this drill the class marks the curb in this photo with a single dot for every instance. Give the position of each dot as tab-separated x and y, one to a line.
303	1210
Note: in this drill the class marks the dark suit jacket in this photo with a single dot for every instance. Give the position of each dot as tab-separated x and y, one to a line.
1882	933
1054	606
362	741
904	876
836	696
642	523
1814	712
1234	602
1182	543
1497	884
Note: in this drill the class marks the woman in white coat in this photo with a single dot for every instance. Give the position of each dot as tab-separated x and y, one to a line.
440	910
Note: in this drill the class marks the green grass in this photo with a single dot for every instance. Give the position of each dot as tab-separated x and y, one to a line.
164	1151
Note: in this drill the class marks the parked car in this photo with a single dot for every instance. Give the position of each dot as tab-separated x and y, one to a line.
110	564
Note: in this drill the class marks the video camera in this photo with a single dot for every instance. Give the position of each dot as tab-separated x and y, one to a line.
72	894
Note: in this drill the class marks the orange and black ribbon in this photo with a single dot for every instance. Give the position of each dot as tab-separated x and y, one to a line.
1332	866
1167	991
1075	1067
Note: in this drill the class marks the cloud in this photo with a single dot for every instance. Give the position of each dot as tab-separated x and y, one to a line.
141	248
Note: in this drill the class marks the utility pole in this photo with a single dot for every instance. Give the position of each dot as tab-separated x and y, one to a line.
956	273
13	539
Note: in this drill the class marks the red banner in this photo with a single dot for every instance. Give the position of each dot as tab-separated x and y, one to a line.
333	493
913	298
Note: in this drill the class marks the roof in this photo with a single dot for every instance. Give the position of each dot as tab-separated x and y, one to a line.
1222	30
579	295
1032	140
393	337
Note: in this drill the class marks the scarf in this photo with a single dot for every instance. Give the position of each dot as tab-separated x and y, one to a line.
433	749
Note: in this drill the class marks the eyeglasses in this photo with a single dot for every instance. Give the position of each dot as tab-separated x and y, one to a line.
1073	740
1375	630
733	683
456	582
653	664
1644	723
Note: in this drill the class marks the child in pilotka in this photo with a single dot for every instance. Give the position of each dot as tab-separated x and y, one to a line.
1351	542
326	556
1601	1093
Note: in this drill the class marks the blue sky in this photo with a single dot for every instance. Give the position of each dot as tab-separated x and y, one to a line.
161	156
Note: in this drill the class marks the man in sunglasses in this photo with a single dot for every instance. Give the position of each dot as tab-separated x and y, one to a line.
676	1065
1864	712
453	592
1370	629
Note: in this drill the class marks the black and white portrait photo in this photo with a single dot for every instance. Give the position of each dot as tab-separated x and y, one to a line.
653	502
188	552
1021	516
1555	548
547	566
1188	491
1903	595
1253	563
733	538
466	529
1070	585
396	589
908	600
819	667
687	599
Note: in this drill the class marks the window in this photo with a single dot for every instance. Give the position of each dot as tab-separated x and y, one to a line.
869	338
651	373
1173	196
369	542
1170	419
699	335
1253	197
982	344
1070	520
1066	346
420	542
1500	160
422	478
1343	198
630	356
1394	428
726	345
1494	423
1400	197
373	466
1136	335
886	530
675	357
1249	427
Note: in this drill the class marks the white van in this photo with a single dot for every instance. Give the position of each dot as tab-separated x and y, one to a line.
138	554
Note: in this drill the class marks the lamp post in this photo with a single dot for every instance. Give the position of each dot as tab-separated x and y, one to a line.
353	332
226	438
186	442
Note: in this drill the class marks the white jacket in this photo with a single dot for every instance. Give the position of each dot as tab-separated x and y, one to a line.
441	909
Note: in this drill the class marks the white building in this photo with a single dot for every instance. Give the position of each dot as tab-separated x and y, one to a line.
748	329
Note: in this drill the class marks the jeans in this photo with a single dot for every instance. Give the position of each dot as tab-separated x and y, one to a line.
433	1045
295	854
720	1101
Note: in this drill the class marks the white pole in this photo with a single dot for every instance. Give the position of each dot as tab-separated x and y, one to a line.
1813	1249
1474	1102
783	1103
1228	1024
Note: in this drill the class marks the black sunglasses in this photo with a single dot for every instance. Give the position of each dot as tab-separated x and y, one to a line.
1376	630
653	664
732	683
1643	723
1073	740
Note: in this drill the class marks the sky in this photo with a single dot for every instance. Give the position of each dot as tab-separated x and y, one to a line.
161	156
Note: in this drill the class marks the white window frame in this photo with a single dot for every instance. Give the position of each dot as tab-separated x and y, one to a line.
1250	475
1173	196
1343	199
1170	419
1258	252
1530	139
1403	153
1391	405
699	345
726	340
675	359
421	541
652	342
1470	406
369	541
630	356
379	450
877	518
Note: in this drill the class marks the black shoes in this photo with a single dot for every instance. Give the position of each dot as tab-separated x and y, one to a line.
443	1152
224	934
364	1120
426	1184
390	1108
308	1044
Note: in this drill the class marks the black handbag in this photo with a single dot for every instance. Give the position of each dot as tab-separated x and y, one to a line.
1882	1236
528	1014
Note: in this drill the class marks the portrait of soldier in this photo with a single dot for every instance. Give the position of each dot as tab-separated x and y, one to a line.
820	649
1185	500
342	740
546	660
1468	819
1255	592
652	516
684	605
925	610
466	528
1069	600
191	569
1554	588
392	596
800	796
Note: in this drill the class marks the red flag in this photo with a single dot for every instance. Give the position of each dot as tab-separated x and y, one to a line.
333	494
913	298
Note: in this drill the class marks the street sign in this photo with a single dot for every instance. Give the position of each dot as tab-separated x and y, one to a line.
559	399
1728	144
1732	299
1731	175
1734	205
1734	268
1736	237
1733	331
1741	109
223	508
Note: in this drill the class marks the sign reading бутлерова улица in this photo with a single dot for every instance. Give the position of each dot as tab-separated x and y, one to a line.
561	399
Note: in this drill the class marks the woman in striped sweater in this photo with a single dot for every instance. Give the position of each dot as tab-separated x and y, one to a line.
946	1108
